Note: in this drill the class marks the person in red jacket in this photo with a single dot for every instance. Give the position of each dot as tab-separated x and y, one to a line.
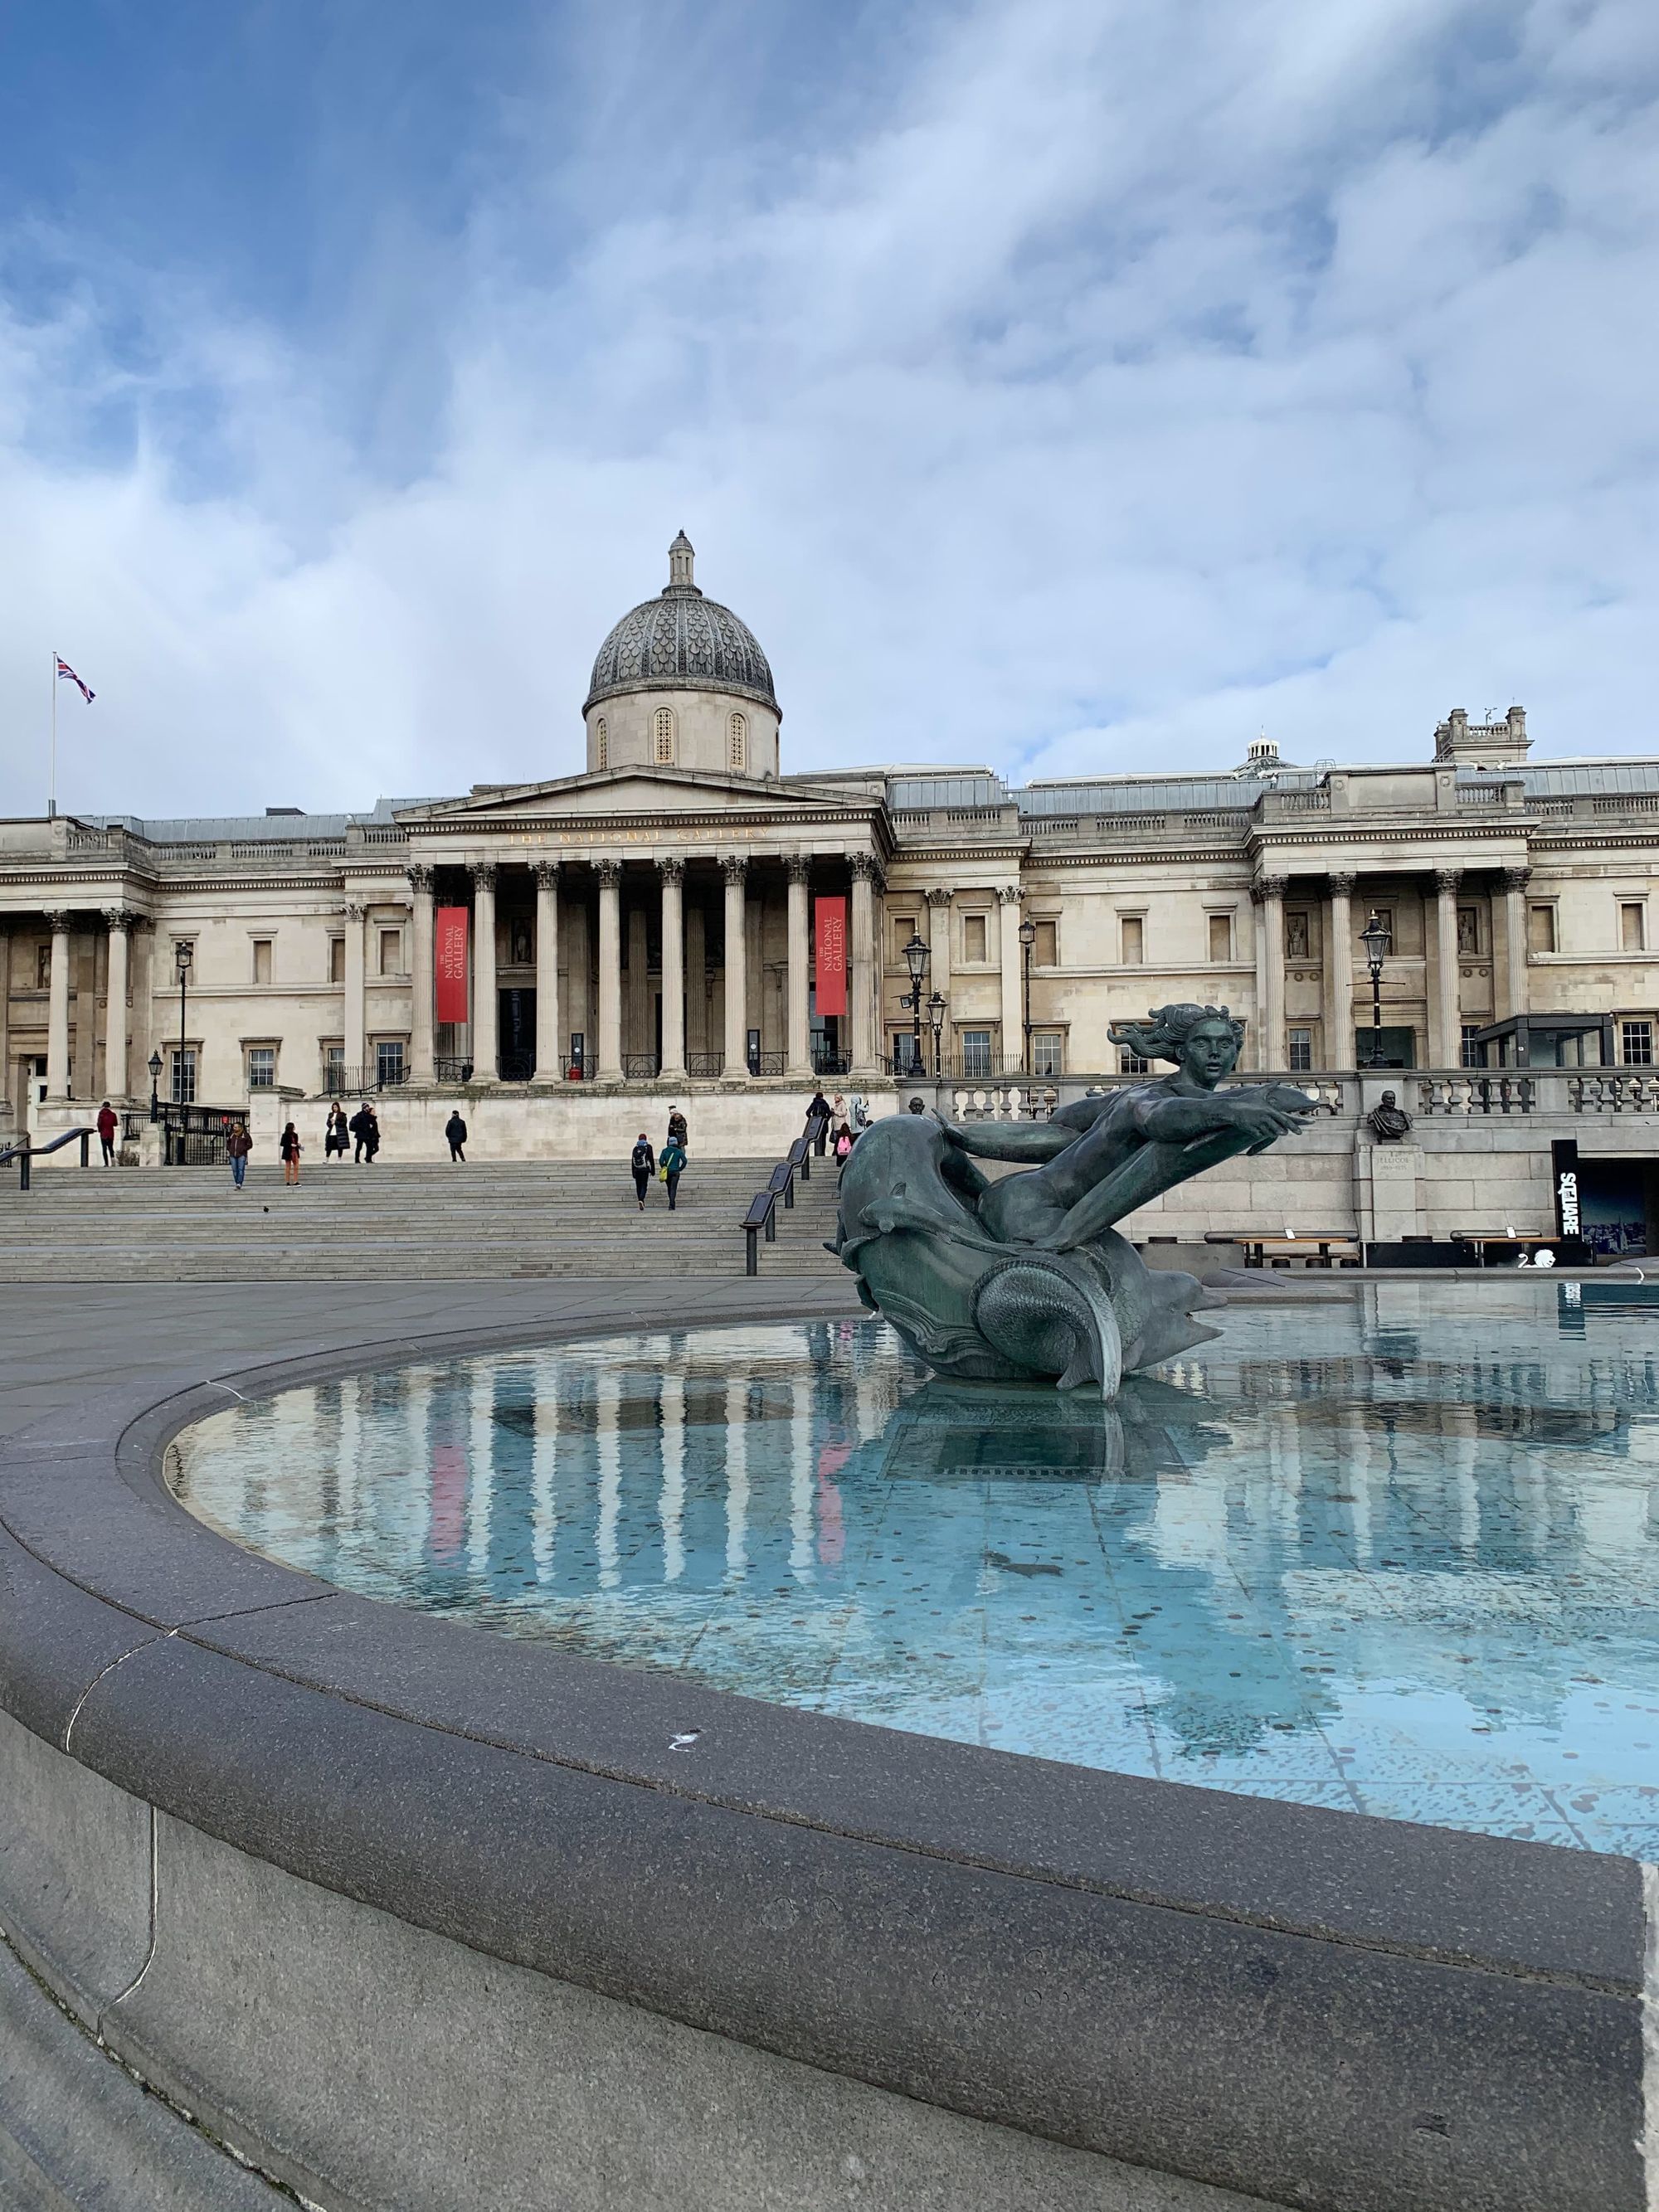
108	1123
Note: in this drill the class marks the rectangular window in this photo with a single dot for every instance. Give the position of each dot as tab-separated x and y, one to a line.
333	1068
976	1054
1301	1049
1296	934
904	928
1045	950
184	1075
1632	927
392	953
906	1058
262	960
389	1060
336	959
1046	1052
1473	1054
1636	1040
973	938
261	1067
1468	929
1541	929
1133	934
1221	937
1131	1063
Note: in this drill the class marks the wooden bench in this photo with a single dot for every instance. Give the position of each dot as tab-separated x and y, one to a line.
1314	1248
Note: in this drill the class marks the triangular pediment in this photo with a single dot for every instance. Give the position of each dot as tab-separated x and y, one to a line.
633	792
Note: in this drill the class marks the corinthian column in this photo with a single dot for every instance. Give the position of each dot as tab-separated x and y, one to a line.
1338	975
865	1063
610	875
1447	1032
115	1011
354	1027
486	1006
1515	941
673	969
58	1053
1014	981
736	969
422	982
1269	895
550	1059
798	1062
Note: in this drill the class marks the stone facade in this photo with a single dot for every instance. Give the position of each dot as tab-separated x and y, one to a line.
647	924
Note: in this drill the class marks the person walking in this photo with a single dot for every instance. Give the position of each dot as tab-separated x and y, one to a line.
677	1131
289	1147
238	1146
372	1143
367	1136
455	1130
337	1133
843	1143
645	1166
817	1109
670	1163
108	1123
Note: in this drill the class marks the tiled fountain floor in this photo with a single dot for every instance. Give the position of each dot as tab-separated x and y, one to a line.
1396	1553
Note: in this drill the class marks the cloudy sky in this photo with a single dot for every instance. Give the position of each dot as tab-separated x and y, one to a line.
1071	385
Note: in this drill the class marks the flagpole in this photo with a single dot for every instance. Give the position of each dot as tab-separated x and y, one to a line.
52	794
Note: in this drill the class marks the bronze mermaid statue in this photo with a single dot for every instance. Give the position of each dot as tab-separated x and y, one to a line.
1025	1277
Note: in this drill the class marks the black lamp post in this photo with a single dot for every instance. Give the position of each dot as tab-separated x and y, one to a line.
936	1006
183	955
1027	939
1374	938
915	959
155	1078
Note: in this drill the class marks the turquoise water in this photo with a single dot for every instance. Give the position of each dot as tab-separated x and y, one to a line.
1398	1554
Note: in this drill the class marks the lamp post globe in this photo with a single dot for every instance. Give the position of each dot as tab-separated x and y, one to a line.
936	1005
155	1080
1376	937
916	957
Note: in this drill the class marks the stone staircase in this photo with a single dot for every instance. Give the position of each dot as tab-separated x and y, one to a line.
397	1221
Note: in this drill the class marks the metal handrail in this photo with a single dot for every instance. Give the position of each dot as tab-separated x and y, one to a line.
28	1150
763	1214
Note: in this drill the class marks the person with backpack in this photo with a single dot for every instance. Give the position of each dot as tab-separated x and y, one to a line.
644	1166
367	1132
238	1146
290	1148
671	1166
843	1143
818	1115
455	1130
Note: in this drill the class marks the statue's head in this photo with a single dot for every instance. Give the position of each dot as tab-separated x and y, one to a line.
1204	1041
1388	1099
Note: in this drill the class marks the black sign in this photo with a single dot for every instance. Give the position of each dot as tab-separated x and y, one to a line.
1564	1181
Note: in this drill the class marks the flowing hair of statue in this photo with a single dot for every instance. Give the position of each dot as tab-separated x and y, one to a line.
1166	1029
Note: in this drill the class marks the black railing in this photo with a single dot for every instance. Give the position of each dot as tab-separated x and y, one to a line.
450	1072
26	1151
516	1066
766	1063
703	1064
195	1136
761	1219
337	1082
640	1067
825	1062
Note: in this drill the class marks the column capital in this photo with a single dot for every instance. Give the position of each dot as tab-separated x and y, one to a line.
121	918
1516	879
354	911
938	897
546	874
799	867
1448	880
57	920
483	875
671	868
609	873
1008	894
1268	887
421	878
734	866
865	867
1342	886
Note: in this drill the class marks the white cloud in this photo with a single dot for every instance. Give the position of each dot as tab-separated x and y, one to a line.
1104	384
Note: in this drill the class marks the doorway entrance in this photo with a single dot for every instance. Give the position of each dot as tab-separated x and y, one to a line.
517	1034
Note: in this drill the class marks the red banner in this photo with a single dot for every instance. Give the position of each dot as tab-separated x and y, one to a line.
452	964
831	967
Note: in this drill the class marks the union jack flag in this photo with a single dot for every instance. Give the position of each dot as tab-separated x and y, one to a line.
67	675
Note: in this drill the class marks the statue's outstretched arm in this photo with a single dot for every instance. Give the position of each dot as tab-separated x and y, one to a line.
1032	1141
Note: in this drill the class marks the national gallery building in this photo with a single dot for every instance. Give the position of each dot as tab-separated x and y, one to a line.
687	916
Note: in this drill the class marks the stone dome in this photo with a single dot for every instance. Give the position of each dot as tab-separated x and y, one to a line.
681	641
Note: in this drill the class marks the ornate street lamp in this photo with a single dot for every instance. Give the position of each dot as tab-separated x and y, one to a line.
915	959
1376	939
936	1006
155	1078
1027	939
184	954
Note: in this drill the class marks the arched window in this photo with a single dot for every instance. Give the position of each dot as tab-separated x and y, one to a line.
738	748
601	744
662	724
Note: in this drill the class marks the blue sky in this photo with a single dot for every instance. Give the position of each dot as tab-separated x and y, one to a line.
1075	387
